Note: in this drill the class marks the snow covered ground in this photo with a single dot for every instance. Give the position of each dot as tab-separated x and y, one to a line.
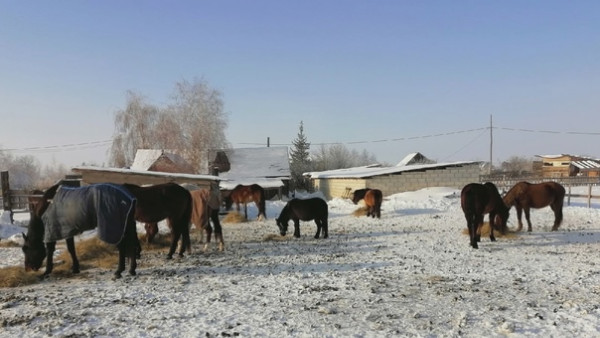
410	273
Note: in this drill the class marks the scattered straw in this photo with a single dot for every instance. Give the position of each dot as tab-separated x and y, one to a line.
15	276
484	231
362	211
234	217
274	238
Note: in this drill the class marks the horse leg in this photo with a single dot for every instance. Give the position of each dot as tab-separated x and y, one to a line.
492	220
318	222
185	239
71	249
175	235
527	210
151	231
297	228
519	214
325	228
50	247
558	215
214	216
121	265
246	210
208	232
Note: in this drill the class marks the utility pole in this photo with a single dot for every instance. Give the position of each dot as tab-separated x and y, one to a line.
491	143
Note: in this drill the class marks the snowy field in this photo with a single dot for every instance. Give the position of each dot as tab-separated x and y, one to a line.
410	273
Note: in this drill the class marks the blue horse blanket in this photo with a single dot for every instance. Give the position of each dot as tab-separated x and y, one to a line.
108	207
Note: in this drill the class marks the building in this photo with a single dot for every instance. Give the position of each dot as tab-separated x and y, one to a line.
391	180
564	165
161	161
268	167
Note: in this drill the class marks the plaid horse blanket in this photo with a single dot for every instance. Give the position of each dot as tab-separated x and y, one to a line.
108	207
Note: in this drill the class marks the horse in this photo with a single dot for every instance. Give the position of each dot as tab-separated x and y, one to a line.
242	194
304	209
476	200
373	199
64	212
168	201
206	204
359	194
525	195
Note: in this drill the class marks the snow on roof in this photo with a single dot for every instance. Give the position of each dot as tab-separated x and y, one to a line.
145	172
145	158
363	172
265	166
586	164
406	159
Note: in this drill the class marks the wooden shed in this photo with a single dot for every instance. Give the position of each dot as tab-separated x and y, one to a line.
160	160
91	175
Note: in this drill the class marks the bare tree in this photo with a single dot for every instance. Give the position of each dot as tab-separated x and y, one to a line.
338	156
24	171
199	111
134	129
517	166
190	126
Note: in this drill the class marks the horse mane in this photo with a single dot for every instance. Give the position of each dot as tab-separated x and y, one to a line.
515	192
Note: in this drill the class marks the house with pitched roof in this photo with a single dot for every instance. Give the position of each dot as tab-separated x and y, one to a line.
268	167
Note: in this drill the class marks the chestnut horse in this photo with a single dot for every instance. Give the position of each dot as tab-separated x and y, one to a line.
168	201
206	204
243	194
525	195
476	200
373	199
358	195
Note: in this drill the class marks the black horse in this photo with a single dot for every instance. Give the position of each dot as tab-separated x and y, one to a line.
108	207
305	210
476	200
164	201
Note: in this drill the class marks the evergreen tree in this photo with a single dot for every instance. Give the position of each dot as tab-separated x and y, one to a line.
300	159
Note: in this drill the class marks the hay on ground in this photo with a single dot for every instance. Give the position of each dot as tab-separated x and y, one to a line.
485	231
15	276
362	211
234	217
274	238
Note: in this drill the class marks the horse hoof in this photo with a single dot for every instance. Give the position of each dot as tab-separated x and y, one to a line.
117	276
132	273
169	257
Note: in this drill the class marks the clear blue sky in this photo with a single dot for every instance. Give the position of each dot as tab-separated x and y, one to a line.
398	72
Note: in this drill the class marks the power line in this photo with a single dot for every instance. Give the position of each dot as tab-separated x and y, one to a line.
62	147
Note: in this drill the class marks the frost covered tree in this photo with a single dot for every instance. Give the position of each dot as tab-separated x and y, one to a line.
193	123
300	159
338	156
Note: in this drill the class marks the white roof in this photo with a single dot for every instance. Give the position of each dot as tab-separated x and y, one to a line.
363	172
145	158
265	166
586	164
147	173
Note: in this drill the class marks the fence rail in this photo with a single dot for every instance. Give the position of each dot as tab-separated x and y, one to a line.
505	183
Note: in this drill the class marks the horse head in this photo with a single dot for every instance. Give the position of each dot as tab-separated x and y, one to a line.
33	245
501	218
282	221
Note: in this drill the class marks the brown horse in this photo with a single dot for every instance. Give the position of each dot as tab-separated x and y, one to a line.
206	204
358	195
476	200
243	194
525	195
168	201
373	199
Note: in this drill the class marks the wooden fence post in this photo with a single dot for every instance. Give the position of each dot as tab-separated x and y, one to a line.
6	198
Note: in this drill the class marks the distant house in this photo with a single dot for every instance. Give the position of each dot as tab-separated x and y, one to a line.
396	179
564	165
160	161
268	167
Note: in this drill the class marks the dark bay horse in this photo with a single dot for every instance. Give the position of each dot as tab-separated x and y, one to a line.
476	200
373	199
243	194
305	210
205	205
63	212
525	195
359	194
168	201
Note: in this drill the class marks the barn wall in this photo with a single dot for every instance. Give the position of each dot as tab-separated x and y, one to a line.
454	177
339	187
92	177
